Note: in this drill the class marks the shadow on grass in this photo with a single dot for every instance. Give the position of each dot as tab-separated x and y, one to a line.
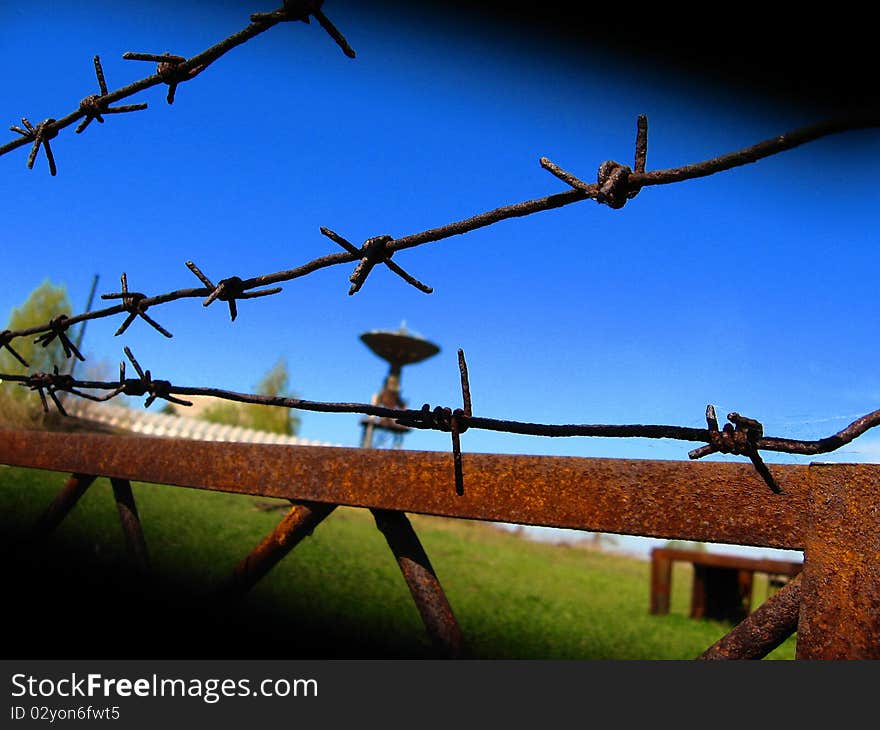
64	601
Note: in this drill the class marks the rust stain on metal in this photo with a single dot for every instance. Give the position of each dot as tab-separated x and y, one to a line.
840	614
762	631
423	583
719	502
297	525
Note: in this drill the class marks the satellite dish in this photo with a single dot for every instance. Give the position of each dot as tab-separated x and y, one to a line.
399	347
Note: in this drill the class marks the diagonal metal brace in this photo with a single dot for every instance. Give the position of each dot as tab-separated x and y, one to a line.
428	594
298	524
762	631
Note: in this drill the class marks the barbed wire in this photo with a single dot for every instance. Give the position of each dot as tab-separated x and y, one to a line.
171	70
741	436
615	185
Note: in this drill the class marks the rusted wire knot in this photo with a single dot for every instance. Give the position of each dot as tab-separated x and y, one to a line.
229	290
439	418
458	422
302	10
455	422
39	135
58	328
49	383
54	382
6	338
133	303
170	69
739	437
735	440
172	74
374	251
447	420
145	385
94	105
613	186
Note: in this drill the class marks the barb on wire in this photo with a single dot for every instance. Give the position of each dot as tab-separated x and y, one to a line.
52	383
145	385
373	251
455	422
228	290
96	105
40	136
741	437
301	10
44	383
58	329
171	70
612	186
458	422
641	158
133	303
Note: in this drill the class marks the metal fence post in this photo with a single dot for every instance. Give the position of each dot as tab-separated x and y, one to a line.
840	609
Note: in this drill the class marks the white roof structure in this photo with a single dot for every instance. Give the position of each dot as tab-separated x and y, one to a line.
152	423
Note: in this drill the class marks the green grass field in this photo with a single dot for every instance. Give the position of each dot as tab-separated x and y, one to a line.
338	594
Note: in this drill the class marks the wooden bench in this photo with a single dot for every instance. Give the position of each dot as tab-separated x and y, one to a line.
722	585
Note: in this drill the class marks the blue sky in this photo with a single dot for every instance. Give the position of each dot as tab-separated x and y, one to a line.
750	290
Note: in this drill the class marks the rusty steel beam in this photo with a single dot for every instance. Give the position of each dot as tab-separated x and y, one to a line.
428	594
74	488
763	630
297	525
840	612
131	523
704	501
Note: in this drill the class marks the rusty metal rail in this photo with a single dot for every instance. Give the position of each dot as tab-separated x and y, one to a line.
720	502
827	510
741	436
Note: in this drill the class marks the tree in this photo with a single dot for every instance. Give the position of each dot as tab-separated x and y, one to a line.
274	419
275	382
